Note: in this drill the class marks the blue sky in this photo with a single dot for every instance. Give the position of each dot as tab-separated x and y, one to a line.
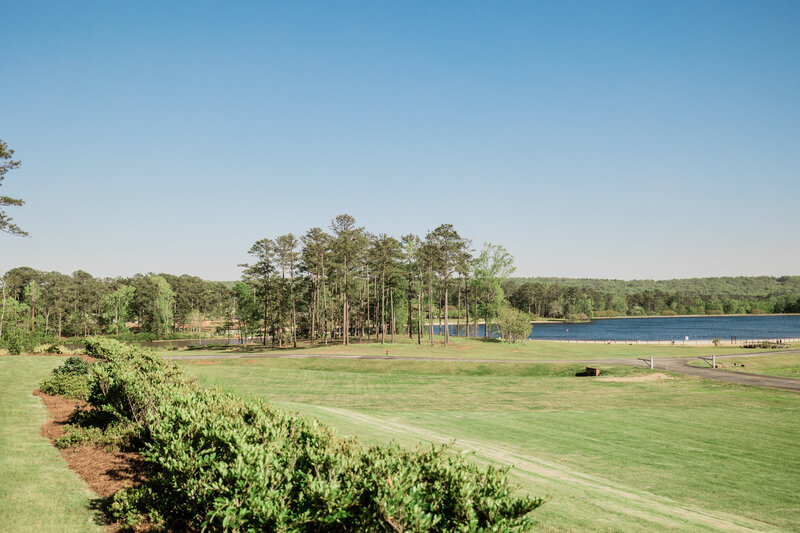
592	139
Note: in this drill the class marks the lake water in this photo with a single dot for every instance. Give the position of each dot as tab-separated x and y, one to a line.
668	328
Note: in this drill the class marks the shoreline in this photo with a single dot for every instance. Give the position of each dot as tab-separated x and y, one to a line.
692	316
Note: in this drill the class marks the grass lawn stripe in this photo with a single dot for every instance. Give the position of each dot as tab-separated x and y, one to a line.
38	492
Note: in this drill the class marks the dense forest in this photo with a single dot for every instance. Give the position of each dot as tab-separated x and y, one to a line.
346	280
564	297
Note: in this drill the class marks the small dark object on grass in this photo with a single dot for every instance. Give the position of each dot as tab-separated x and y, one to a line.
589	372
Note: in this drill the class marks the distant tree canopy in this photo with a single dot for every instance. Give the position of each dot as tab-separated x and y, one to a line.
42	306
564	297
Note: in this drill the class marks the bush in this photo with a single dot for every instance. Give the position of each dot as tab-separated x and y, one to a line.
79	436
74	386
668	312
514	325
221	463
73	365
71	380
117	435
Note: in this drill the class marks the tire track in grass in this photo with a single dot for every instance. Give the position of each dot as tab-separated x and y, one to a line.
660	510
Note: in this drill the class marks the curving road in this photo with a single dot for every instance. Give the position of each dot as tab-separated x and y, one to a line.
673	364
682	366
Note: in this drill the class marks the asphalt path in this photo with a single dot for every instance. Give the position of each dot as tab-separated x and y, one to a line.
672	364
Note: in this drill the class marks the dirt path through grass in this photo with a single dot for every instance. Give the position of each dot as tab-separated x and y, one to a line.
657	510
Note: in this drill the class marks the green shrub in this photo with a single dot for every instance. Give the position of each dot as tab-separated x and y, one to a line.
73	365
218	462
75	436
115	436
74	386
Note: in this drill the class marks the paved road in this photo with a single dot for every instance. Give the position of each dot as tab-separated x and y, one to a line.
680	365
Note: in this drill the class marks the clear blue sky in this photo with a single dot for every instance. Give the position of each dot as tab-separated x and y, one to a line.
592	139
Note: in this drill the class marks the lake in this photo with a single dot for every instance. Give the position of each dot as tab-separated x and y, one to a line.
675	328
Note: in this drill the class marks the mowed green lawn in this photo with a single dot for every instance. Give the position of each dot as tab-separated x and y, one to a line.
38	492
635	450
784	365
461	348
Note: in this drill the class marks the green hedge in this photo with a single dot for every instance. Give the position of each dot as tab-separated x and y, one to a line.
71	380
224	464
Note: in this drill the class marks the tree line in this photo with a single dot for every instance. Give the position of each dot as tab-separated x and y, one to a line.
39	307
344	283
338	285
586	298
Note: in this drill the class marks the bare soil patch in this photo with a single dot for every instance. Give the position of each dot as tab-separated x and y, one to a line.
104	471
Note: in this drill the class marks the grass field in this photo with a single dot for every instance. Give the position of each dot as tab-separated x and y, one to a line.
783	365
486	349
38	492
634	450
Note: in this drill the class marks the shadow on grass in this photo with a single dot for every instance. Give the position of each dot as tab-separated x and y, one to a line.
489	340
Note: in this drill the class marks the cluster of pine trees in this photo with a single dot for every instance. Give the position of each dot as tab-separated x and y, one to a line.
331	286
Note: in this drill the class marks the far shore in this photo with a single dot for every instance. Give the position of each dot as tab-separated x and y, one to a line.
693	316
452	321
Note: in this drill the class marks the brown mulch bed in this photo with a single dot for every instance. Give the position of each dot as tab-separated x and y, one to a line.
104	471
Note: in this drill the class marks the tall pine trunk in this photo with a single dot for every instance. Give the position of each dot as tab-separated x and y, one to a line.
294	309
391	304
345	311
430	303
446	324
419	317
383	305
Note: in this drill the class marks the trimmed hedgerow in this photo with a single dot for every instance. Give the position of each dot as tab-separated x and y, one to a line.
220	463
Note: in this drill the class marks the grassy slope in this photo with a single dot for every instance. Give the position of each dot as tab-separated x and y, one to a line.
478	349
783	365
615	455
38	492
